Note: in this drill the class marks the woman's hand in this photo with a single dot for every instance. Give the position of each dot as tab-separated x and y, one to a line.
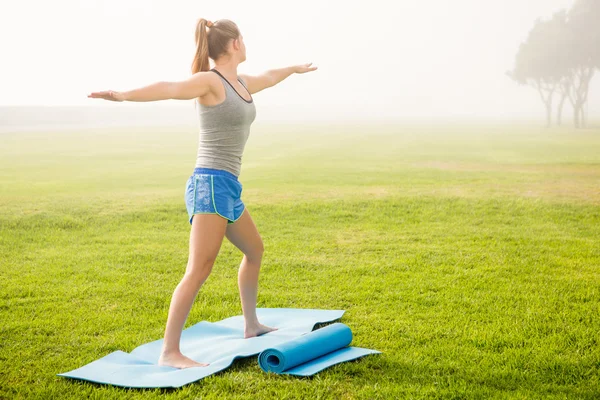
302	68
108	95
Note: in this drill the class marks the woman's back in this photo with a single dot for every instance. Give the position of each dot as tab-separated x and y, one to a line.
224	130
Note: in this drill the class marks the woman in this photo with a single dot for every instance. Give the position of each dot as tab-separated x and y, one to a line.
212	195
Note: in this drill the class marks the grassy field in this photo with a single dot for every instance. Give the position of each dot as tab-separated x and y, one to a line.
469	255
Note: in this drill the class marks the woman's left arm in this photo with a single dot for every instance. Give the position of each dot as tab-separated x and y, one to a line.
273	76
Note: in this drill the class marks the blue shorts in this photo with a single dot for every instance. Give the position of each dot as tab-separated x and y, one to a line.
214	191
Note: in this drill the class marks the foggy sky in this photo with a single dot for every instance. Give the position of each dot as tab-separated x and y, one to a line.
376	59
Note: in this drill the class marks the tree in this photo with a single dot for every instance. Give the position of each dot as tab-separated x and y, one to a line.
583	22
563	40
539	64
561	55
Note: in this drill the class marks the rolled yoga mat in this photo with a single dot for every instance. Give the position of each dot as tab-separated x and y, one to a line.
312	352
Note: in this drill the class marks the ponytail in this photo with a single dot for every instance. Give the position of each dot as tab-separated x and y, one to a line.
201	62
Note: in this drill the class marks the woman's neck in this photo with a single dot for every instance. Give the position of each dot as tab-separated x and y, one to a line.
228	70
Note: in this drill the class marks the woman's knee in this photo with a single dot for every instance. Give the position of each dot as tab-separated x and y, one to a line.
260	247
199	270
257	251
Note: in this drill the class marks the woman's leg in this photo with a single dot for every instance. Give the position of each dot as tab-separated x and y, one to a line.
244	235
206	237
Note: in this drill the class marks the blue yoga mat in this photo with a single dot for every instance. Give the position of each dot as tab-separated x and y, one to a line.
220	343
312	352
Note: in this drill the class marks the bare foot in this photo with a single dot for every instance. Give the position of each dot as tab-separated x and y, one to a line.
178	360
257	330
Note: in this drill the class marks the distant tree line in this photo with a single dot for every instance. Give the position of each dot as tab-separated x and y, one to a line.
560	57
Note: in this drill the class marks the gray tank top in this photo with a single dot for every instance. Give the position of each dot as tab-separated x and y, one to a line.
224	130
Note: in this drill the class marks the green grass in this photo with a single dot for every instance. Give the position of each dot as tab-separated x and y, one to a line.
469	255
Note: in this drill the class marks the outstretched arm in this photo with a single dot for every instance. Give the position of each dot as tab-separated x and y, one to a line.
195	86
273	76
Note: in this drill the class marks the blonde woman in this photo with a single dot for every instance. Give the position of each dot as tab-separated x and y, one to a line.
213	192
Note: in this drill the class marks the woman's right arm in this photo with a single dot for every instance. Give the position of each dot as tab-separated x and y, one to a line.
196	85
